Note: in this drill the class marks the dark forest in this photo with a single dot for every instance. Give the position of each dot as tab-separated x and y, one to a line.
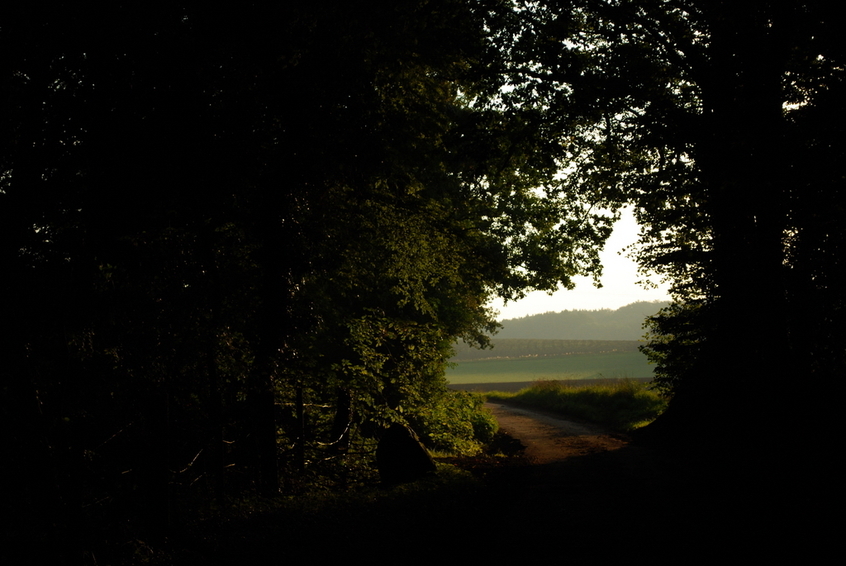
238	245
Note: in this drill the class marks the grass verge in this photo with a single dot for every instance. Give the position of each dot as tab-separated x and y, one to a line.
624	404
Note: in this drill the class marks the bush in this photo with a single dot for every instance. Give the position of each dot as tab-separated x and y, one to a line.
455	422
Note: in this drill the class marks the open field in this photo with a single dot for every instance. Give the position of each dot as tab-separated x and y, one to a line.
517	348
527	369
515	386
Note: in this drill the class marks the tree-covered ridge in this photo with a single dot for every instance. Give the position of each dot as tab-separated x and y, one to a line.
625	323
524	348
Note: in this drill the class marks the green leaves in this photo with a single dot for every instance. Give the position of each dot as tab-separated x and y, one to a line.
221	227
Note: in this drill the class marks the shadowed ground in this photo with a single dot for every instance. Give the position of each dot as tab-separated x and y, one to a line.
570	492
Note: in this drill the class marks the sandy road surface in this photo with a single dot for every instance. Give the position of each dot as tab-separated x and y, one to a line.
549	439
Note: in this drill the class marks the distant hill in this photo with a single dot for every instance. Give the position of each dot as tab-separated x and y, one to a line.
625	323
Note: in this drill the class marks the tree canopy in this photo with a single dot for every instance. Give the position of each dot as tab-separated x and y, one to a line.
705	116
240	244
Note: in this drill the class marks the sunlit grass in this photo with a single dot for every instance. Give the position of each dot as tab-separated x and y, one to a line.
531	369
624	404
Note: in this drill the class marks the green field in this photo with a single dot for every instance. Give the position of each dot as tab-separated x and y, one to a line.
575	366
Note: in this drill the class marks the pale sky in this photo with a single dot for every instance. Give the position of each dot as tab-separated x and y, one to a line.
618	282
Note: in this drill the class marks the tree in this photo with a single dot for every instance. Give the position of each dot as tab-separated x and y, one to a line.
231	236
436	213
700	115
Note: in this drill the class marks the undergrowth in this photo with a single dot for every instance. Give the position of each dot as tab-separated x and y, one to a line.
624	404
454	423
335	523
334	498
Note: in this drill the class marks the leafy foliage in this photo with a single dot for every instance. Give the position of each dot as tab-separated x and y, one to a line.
241	243
455	422
689	110
675	345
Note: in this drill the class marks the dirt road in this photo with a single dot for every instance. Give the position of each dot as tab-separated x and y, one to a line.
581	495
605	497
549	439
586	476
